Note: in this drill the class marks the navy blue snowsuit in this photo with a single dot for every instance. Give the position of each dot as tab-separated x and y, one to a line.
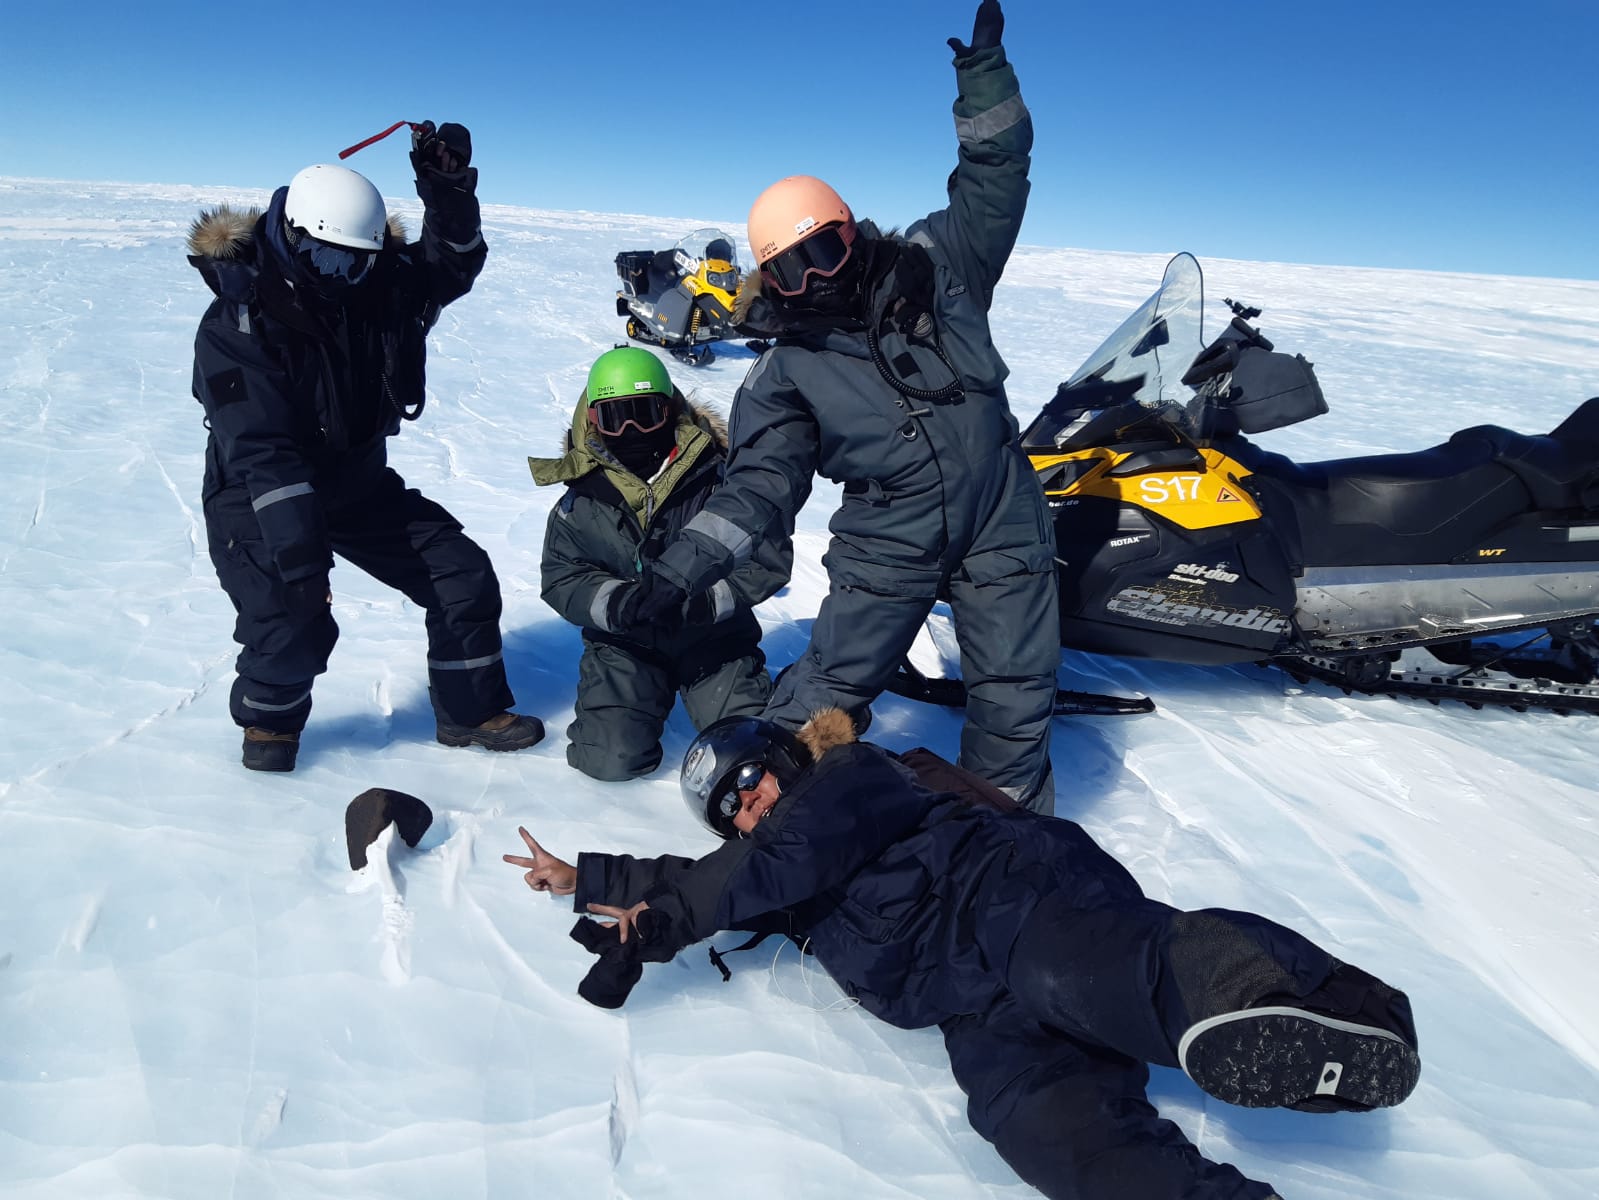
906	408
300	399
1053	978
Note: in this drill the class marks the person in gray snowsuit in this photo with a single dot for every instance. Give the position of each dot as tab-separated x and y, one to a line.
639	462
882	376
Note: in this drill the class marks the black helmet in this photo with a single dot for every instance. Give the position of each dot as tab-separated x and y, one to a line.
711	764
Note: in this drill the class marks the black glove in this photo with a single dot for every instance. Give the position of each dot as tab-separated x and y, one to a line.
446	150
700	609
306	599
621	964
446	185
654	602
987	28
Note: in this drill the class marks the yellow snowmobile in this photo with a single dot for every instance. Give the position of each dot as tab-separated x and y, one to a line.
681	298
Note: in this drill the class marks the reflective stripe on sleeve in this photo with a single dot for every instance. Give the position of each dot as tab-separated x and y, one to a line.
282	493
601	604
723	602
996	120
721	531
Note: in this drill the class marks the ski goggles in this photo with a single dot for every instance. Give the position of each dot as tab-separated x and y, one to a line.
747	778
645	412
823	254
328	261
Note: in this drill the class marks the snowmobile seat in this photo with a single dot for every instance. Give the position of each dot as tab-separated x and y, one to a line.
1560	469
1428	506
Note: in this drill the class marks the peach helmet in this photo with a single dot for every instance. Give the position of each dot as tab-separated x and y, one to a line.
800	227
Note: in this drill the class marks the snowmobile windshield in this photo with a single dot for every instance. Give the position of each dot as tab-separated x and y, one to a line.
1141	364
713	251
1158	342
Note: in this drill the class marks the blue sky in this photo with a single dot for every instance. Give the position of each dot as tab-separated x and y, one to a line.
1456	136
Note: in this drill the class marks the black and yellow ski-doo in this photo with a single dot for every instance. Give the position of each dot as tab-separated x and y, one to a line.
1179	539
1468	570
682	297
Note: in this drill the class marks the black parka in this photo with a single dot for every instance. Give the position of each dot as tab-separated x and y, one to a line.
300	397
910	899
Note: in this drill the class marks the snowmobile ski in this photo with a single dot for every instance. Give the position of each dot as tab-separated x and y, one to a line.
951	693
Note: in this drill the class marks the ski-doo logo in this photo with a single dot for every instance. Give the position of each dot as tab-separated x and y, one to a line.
1200	571
1148	605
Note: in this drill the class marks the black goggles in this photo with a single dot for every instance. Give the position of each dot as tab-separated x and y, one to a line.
745	779
645	412
824	253
330	261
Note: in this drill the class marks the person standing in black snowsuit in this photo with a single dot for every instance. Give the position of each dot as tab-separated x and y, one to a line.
933	899
306	362
883	377
640	460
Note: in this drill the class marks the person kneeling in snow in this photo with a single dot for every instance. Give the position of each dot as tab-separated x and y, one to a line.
640	461
933	899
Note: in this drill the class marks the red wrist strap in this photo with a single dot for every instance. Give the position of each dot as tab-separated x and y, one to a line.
376	137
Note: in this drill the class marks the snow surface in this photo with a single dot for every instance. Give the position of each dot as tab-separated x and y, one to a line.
198	998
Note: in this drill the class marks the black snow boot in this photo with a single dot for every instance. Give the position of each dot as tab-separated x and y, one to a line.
508	731
1349	1046
267	750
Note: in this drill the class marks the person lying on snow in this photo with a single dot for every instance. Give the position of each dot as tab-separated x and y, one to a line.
933	899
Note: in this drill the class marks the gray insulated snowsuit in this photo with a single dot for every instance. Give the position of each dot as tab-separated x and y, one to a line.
596	537
938	498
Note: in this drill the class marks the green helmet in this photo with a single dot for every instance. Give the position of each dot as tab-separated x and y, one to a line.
627	371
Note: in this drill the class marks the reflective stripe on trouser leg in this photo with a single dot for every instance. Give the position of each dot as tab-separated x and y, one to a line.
400	537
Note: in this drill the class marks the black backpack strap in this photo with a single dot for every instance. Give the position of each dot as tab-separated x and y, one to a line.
716	959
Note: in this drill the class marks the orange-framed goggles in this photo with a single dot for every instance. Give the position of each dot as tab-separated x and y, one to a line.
823	254
644	411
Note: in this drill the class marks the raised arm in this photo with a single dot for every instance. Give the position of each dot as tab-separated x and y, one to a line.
988	188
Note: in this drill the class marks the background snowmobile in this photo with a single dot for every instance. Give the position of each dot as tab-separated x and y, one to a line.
1180	540
681	298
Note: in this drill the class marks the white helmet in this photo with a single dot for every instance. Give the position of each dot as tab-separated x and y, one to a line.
337	205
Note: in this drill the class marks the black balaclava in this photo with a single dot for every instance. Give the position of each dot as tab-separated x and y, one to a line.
642	453
837	297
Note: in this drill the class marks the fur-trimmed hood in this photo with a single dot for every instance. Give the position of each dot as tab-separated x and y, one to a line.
700	432
224	232
583	451
231	246
827	729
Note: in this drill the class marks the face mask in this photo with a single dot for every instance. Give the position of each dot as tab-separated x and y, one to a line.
642	453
